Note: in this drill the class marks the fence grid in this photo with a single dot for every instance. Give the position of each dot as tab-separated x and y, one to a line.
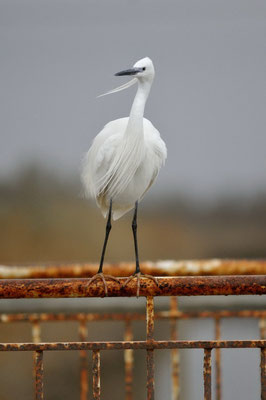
167	286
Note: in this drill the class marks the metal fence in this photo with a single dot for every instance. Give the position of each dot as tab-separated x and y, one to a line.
41	282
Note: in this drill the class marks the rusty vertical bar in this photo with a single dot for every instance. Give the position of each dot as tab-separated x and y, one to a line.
218	360
129	360
38	375
174	352
150	375
263	373
96	383
262	324
150	317
150	355
37	359
36	331
207	374
84	386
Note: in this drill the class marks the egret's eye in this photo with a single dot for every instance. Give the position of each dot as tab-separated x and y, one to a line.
144	68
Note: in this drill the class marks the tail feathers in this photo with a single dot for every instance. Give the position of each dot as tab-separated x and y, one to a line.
117	212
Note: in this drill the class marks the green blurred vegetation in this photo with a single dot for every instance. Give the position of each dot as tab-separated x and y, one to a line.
46	218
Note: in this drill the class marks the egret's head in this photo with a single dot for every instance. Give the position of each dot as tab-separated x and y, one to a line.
143	69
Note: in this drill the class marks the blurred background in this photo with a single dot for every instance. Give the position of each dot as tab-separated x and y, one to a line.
208	102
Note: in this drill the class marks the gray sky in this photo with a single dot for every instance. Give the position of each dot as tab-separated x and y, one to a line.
208	99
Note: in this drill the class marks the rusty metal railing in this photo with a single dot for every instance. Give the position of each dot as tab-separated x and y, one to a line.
44	284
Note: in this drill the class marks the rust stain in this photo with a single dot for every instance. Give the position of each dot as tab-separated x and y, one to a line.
207	374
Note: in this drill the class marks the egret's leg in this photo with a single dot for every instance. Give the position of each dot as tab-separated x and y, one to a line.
137	274
100	274
134	229
107	232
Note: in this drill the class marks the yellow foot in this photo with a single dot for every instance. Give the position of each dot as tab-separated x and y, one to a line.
139	275
103	277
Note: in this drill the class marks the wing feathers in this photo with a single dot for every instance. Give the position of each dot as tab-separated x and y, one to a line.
112	163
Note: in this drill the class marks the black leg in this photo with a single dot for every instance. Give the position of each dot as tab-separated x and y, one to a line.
134	229
108	229
137	274
100	274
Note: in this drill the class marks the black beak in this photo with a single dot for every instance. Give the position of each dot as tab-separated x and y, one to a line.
131	71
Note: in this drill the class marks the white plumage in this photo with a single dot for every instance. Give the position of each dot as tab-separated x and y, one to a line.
126	156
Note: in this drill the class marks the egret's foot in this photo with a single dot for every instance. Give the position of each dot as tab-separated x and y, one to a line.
139	275
103	277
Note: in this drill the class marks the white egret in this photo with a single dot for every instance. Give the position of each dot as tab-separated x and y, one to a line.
123	162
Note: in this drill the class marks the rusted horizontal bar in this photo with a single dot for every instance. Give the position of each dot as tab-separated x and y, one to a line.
210	314
89	317
136	345
159	268
167	286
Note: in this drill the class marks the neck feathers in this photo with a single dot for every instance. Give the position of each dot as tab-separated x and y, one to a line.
138	106
132	150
